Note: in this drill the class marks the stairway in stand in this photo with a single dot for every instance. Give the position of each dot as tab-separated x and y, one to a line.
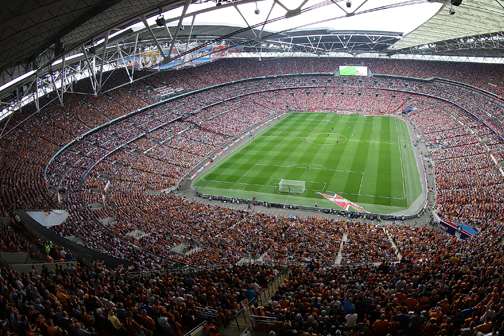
243	323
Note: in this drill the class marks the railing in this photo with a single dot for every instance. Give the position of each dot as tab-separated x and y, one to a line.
367	215
243	320
249	93
265	323
240	322
196	331
265	296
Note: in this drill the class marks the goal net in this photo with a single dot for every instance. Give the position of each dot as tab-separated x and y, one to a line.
291	186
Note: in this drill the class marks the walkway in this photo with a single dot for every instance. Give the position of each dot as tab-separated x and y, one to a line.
394	246
340	252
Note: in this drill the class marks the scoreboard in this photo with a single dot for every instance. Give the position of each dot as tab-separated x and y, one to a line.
353	70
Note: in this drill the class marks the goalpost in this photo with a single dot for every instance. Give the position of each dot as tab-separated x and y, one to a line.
291	186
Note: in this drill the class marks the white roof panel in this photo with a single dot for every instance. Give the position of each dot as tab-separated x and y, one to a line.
471	18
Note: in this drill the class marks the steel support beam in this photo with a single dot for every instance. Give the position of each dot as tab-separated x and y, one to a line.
125	65
92	72
36	96
103	60
190	32
171	38
55	87
267	18
184	11
153	36
246	22
63	75
135	54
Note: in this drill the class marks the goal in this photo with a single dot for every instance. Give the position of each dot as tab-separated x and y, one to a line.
291	186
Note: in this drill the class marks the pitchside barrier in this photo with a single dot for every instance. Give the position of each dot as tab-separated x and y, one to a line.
371	216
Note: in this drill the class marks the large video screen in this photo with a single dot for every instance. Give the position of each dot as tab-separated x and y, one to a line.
353	70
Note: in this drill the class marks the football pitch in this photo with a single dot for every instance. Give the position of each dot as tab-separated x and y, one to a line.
368	160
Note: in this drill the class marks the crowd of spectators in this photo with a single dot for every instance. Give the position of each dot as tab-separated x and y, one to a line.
96	300
435	285
17	240
155	149
345	278
11	240
440	287
468	182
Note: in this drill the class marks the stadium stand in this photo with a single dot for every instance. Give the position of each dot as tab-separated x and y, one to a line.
109	110
343	277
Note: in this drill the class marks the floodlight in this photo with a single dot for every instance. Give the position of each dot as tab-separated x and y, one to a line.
160	21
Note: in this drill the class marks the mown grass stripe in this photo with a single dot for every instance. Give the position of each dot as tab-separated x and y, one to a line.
358	162
384	163
397	185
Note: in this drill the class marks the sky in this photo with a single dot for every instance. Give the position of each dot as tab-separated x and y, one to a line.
327	15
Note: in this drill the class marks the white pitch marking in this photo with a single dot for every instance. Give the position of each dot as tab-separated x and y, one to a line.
402	168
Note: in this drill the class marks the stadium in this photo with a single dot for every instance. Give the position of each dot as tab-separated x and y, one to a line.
252	167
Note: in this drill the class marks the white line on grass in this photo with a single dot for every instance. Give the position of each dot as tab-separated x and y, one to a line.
367	195
308	167
321	144
314	190
244	183
402	168
361	180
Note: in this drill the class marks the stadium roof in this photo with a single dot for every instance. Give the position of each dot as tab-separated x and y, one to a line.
39	38
313	40
451	23
31	28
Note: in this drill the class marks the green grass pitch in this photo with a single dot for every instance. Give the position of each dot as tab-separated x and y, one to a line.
366	159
